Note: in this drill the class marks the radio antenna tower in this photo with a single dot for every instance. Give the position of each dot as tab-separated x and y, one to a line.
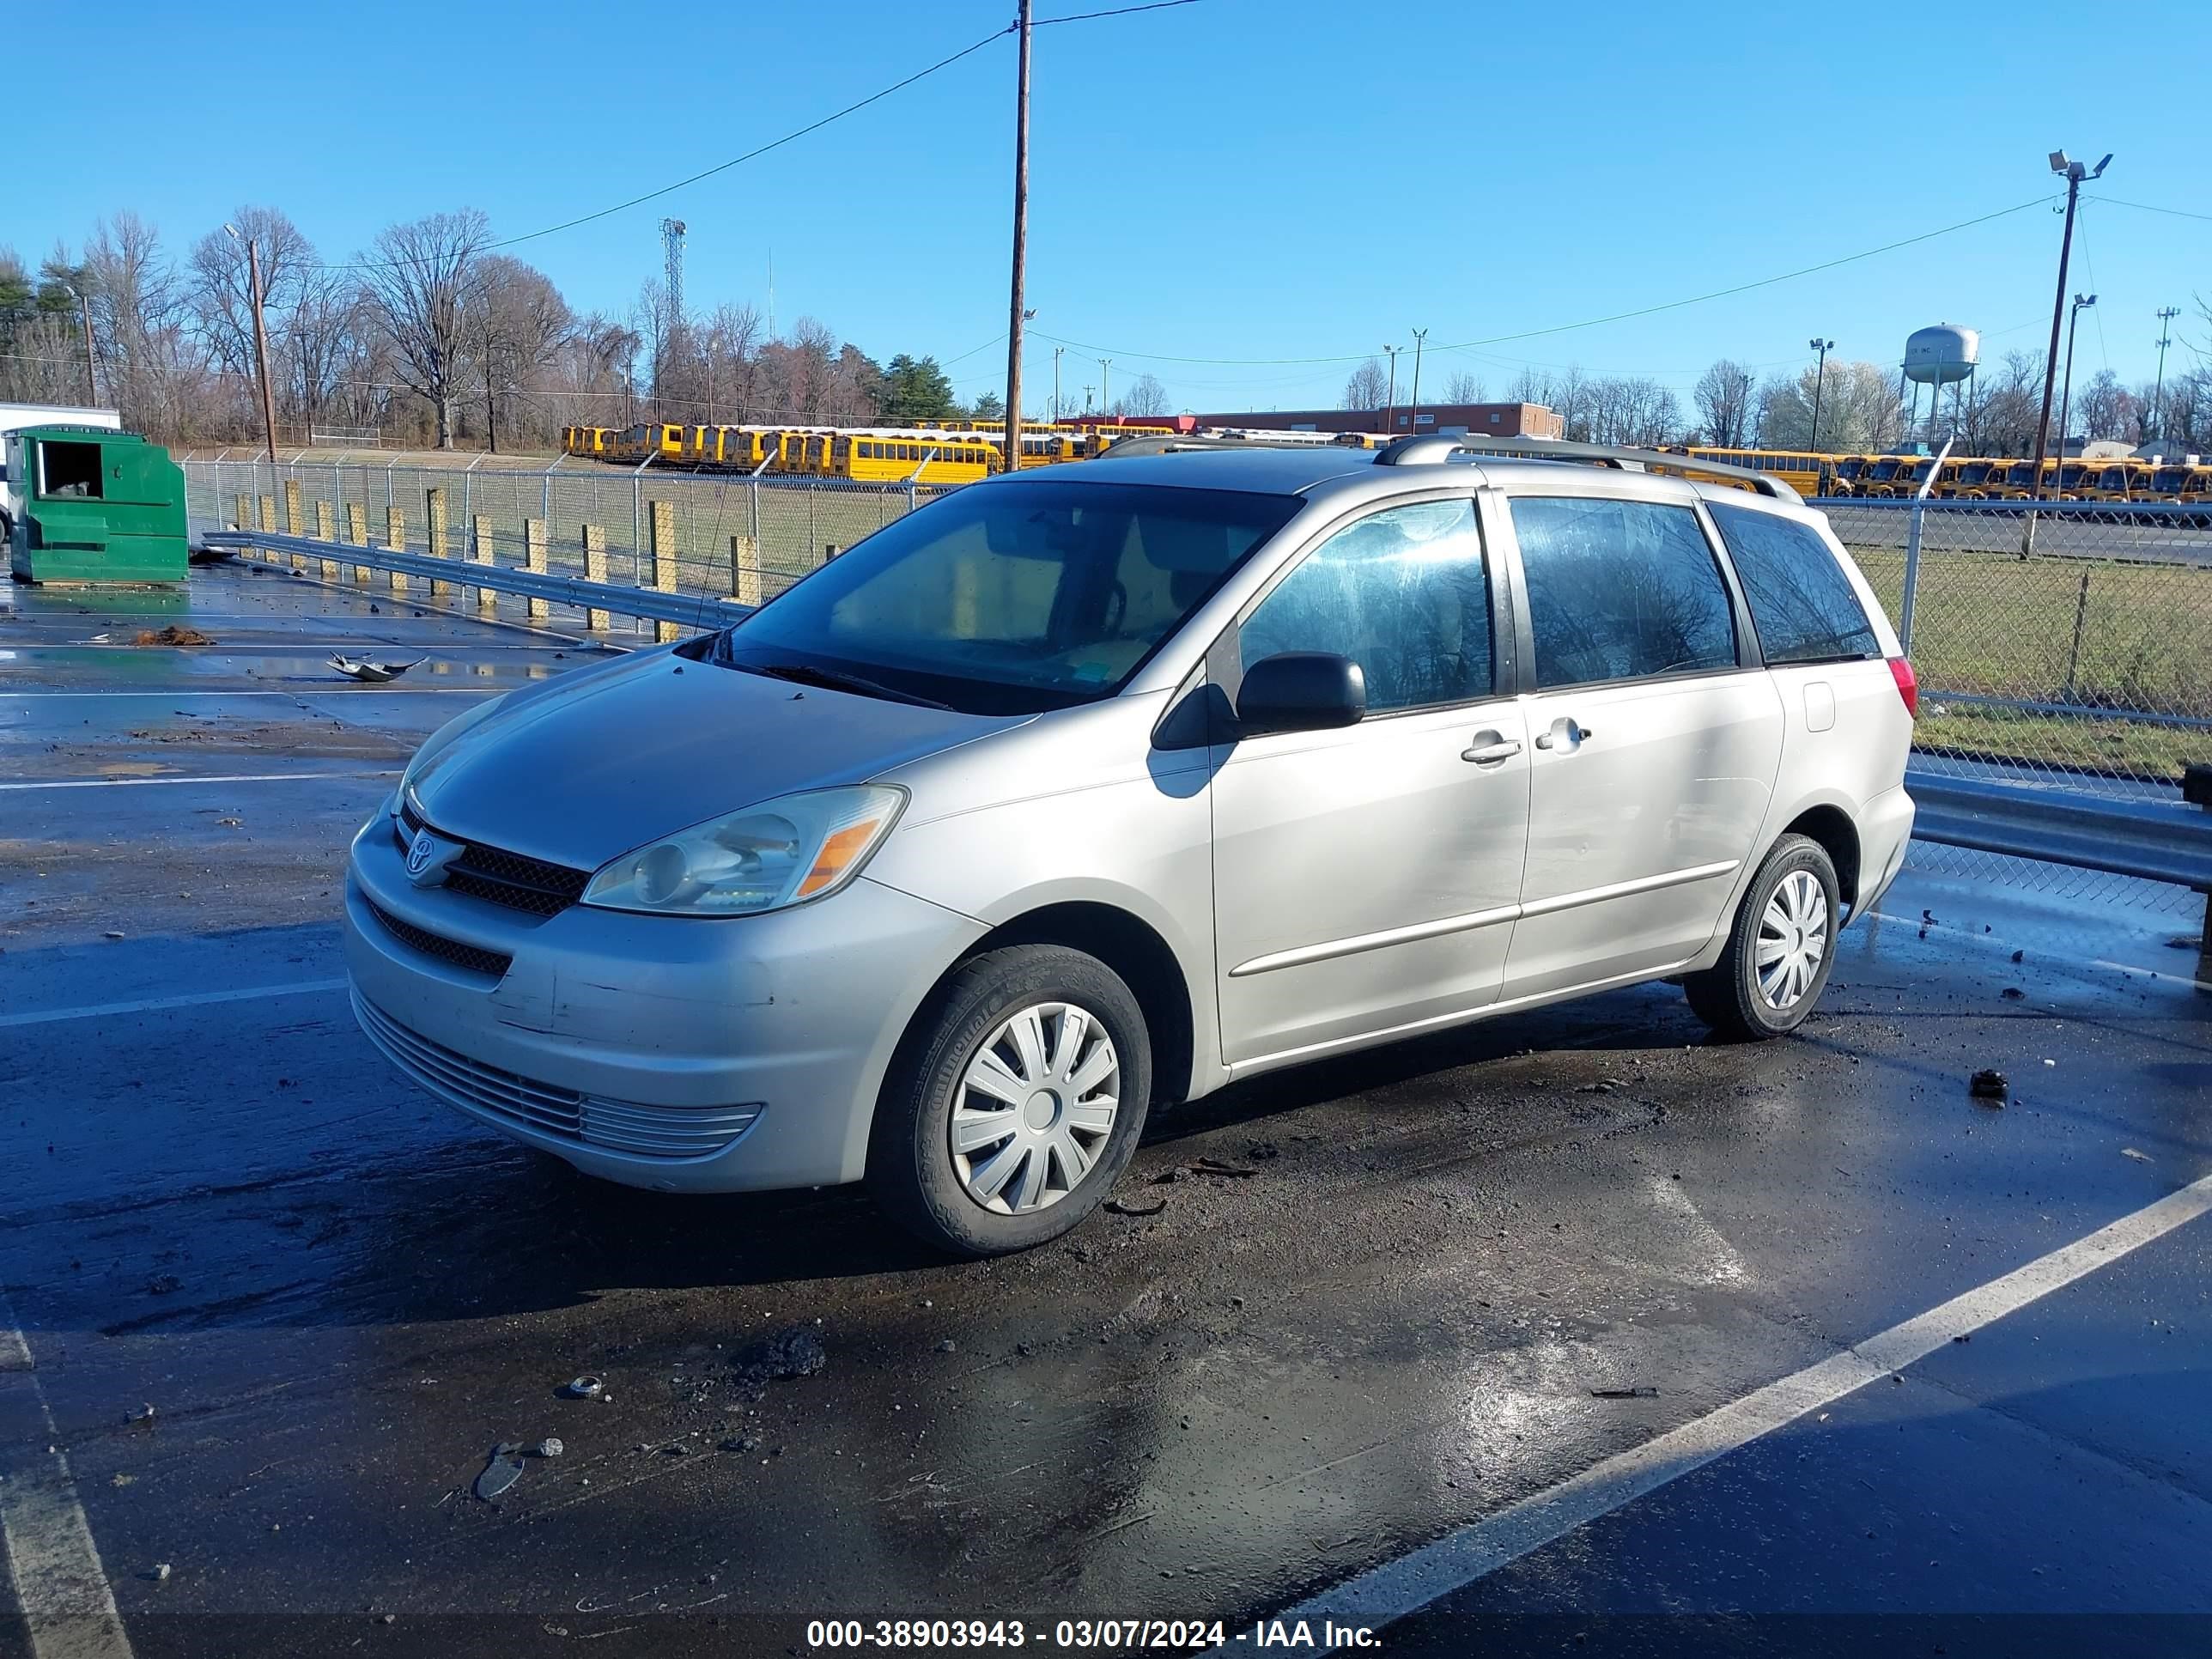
671	245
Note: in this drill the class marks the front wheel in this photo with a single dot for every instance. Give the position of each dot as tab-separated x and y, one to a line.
1014	1103
1779	948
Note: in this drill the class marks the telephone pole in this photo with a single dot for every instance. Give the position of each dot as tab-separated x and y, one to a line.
2166	316
260	337
1013	457
2074	173
1390	400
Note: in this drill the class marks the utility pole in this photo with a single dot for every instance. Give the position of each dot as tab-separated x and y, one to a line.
1105	386
1414	426
2166	316
1390	401
1056	350
2074	173
1820	384
260	337
1013	457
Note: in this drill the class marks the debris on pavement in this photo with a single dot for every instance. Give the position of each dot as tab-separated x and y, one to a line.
163	1283
551	1446
375	672
1214	1166
1123	1206
172	634
793	1352
502	1471
161	1571
1624	1393
1989	1084
2013	993
2019	956
2125	1152
145	1415
947	1345
585	1387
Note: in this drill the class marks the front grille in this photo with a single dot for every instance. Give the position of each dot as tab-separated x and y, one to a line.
472	957
530	884
589	1120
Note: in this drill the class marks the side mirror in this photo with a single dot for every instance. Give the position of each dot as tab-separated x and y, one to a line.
1301	692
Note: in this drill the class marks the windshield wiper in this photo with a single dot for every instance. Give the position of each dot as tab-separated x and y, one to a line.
835	680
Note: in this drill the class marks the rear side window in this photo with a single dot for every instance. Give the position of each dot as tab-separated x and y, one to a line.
1621	591
1802	602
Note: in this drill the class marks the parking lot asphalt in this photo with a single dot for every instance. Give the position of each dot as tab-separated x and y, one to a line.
276	1307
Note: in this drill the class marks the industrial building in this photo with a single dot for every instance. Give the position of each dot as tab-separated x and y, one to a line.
1447	419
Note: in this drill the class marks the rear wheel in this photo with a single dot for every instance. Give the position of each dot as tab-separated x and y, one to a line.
1014	1103
1779	949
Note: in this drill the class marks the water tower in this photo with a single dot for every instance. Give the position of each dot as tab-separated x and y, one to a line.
1945	355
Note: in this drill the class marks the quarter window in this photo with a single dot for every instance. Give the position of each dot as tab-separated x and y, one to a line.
1802	602
1620	590
1403	593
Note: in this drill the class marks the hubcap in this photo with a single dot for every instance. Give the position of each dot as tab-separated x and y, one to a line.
1793	939
1036	1106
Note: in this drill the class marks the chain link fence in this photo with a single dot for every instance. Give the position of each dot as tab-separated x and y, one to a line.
2071	645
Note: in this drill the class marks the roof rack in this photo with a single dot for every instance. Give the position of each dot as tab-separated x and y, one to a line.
1414	452
1126	448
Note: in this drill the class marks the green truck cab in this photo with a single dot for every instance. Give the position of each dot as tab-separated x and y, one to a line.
94	506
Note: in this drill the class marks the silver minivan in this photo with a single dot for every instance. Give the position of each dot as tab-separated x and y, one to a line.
1100	785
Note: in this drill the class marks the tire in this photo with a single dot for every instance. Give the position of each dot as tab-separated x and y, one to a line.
1015	1003
1729	996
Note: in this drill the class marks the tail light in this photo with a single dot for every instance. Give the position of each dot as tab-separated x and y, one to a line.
1908	685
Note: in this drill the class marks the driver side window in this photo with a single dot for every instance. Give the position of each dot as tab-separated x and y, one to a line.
1402	593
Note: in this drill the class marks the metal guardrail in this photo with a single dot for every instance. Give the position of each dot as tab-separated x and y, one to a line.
2149	838
703	611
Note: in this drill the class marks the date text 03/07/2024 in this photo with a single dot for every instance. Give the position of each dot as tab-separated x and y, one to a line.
1121	1635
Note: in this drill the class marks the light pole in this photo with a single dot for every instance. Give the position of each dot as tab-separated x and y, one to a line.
2080	304
2166	316
1820	384
1390	405
1105	386
2074	173
84	314
260	337
1413	425
1012	455
1056	350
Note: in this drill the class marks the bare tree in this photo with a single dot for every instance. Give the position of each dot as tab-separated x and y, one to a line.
521	322
1724	396
1367	389
1464	385
420	279
1145	396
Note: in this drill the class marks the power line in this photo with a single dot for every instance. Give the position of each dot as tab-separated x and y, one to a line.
2146	207
1118	11
1593	322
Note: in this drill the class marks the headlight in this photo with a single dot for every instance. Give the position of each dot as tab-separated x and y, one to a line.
780	853
443	739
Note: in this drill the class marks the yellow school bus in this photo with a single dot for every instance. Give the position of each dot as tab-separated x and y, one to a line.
915	456
1804	470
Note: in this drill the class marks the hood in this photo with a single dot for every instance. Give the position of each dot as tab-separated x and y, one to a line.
589	768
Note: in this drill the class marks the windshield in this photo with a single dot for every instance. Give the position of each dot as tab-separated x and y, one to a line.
1975	472
1886	469
2167	480
1010	598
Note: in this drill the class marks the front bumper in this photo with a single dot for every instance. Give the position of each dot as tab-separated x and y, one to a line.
680	1054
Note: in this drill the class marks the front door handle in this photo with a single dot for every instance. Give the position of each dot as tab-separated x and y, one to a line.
1566	733
1491	749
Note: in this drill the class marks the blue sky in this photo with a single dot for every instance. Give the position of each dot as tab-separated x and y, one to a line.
1242	179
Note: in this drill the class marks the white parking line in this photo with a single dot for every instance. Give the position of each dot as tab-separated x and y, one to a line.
154	1005
1405	1586
235	777
61	1584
